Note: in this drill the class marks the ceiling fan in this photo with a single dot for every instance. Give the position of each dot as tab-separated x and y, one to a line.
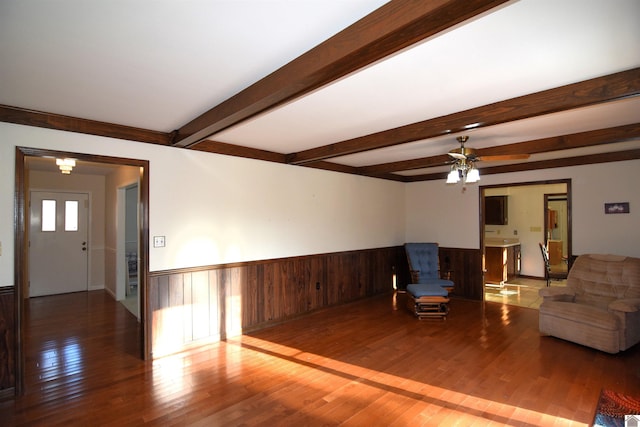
463	160
470	155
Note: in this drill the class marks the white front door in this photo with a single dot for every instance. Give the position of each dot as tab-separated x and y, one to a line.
58	243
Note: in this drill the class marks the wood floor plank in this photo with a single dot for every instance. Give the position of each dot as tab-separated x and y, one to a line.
365	363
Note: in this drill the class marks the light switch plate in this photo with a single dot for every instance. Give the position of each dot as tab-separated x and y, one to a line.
158	241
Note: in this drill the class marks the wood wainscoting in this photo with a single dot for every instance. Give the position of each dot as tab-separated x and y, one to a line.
7	343
192	307
465	267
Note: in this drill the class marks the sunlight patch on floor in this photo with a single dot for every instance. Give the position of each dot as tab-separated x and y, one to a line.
352	380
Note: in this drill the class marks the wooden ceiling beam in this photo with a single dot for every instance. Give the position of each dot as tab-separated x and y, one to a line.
594	91
405	165
22	116
614	156
239	151
389	29
567	142
556	143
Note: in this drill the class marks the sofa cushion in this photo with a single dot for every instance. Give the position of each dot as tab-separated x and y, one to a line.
581	313
607	276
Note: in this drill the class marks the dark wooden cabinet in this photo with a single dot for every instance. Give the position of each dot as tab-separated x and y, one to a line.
495	262
501	263
496	210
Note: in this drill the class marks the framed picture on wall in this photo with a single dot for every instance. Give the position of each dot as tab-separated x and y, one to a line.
616	208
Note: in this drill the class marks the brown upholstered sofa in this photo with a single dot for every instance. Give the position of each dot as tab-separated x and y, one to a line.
600	305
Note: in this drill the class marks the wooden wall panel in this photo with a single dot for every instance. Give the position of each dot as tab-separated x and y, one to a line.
7	342
176	306
466	271
193	306
268	303
216	319
200	304
252	295
316	295
232	305
364	276
187	308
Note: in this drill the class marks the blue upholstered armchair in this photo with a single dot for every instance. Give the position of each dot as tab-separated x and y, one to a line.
427	294
424	264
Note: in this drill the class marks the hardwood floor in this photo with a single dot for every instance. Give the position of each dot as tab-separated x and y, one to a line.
366	363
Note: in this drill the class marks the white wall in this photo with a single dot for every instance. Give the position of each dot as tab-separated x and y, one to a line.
442	213
226	209
122	176
218	209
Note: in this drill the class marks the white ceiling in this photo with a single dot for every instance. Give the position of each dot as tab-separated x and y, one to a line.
159	64
153	64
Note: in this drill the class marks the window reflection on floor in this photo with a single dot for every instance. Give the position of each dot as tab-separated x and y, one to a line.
58	360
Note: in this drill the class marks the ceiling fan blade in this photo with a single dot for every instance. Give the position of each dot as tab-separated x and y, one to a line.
457	155
504	157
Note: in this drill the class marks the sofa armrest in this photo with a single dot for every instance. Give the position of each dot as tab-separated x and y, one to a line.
557	293
628	305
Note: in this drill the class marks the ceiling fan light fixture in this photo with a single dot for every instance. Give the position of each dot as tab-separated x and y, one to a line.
473	175
463	167
453	176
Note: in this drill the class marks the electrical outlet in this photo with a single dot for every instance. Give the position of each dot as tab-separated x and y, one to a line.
158	241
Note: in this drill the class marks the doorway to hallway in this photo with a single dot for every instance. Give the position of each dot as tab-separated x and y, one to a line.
24	157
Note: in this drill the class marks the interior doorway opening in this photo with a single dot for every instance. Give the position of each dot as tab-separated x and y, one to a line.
29	158
512	263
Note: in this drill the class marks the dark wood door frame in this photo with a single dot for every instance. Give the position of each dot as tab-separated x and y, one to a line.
20	222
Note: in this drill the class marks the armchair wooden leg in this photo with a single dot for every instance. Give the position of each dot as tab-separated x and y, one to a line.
428	307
